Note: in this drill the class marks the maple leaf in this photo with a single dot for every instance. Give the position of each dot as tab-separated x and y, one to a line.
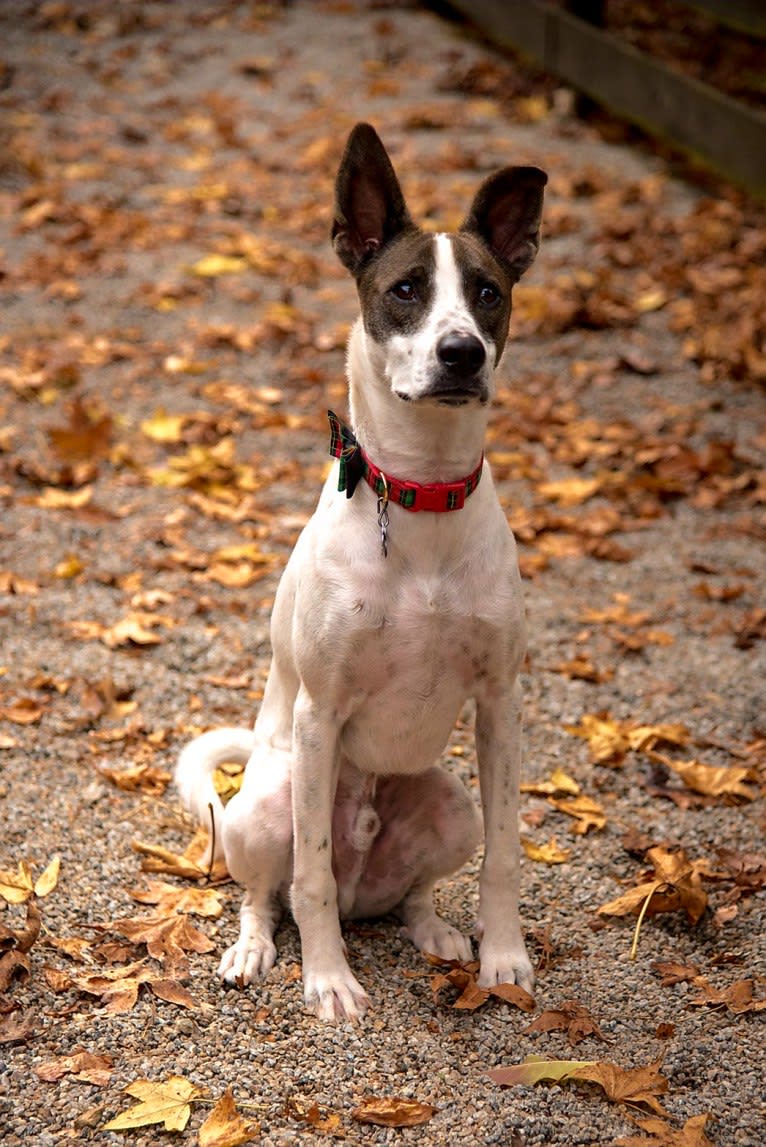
81	1064
559	782
633	1086
737	999
587	813
18	887
168	1102
470	994
87	435
713	780
674	972
661	1134
174	898
118	988
186	865
225	1127
393	1111
570	1017
167	935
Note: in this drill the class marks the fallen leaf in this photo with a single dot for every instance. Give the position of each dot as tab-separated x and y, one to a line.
55	499
571	1017
559	782
737	999
16	887
661	1134
470	994
17	1026
674	972
392	1111
47	880
81	1064
168	1103
536	1069
225	1127
586	812
632	1086
549	853
713	780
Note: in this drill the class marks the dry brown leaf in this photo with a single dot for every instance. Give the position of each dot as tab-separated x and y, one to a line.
737	999
17	1026
167	935
557	784
674	972
571	1017
393	1111
174	898
470	994
633	1086
225	1127
81	1064
661	1134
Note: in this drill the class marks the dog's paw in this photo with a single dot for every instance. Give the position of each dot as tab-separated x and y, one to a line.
247	961
505	966
438	938
335	997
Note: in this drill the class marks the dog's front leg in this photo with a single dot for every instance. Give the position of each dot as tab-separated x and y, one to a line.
330	989
498	743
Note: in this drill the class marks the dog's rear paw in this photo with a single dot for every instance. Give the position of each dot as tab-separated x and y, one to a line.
437	938
247	961
335	998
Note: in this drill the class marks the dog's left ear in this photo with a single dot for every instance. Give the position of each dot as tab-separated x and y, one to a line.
369	204
506	214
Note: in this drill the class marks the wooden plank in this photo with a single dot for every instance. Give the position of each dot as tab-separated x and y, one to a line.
748	16
728	135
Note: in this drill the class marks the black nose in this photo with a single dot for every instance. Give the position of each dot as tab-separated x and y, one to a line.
462	354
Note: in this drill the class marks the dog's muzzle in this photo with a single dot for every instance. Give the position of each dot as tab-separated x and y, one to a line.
461	375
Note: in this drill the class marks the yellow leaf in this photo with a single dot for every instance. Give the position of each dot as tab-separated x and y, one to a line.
48	880
162	427
535	1069
55	499
16	887
587	813
549	853
211	266
558	782
712	780
68	567
168	1102
225	1127
570	491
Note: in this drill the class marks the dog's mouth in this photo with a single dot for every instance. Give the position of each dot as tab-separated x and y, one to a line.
449	396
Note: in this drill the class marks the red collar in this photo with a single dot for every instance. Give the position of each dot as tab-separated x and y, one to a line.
435	497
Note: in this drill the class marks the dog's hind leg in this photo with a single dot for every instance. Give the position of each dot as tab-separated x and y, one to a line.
431	826
257	841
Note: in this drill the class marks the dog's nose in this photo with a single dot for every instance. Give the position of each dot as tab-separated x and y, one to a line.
462	354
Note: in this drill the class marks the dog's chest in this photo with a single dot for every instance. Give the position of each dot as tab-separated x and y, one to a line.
413	659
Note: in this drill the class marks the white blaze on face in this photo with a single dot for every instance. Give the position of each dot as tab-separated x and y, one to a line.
411	360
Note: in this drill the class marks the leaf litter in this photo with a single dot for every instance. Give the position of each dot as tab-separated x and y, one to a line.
584	482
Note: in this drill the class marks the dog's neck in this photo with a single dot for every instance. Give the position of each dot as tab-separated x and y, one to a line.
411	441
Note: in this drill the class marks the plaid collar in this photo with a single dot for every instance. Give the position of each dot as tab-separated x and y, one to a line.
436	497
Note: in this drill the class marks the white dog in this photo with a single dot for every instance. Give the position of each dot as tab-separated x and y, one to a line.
400	601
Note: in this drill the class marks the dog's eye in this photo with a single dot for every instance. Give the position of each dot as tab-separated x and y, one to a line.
489	296
404	291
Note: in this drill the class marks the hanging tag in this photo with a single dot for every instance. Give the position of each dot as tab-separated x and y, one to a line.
383	516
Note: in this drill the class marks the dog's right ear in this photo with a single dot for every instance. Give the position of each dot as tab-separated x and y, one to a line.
369	205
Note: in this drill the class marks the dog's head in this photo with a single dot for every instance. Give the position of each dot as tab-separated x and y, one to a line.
435	306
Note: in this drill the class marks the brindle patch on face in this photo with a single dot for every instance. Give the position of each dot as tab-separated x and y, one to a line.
480	269
408	259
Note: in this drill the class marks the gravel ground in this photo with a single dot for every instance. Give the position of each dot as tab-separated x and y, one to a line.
142	139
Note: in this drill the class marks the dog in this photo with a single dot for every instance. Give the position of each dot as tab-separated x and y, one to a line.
400	601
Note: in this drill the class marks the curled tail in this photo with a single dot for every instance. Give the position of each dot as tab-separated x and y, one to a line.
194	773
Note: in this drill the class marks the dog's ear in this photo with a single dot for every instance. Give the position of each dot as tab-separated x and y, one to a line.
369	205
506	214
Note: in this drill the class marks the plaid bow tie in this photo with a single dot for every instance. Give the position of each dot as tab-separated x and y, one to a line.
435	497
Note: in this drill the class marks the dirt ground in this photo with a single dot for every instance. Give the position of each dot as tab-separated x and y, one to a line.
172	331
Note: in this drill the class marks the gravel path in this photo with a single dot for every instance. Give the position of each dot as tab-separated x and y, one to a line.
146	138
